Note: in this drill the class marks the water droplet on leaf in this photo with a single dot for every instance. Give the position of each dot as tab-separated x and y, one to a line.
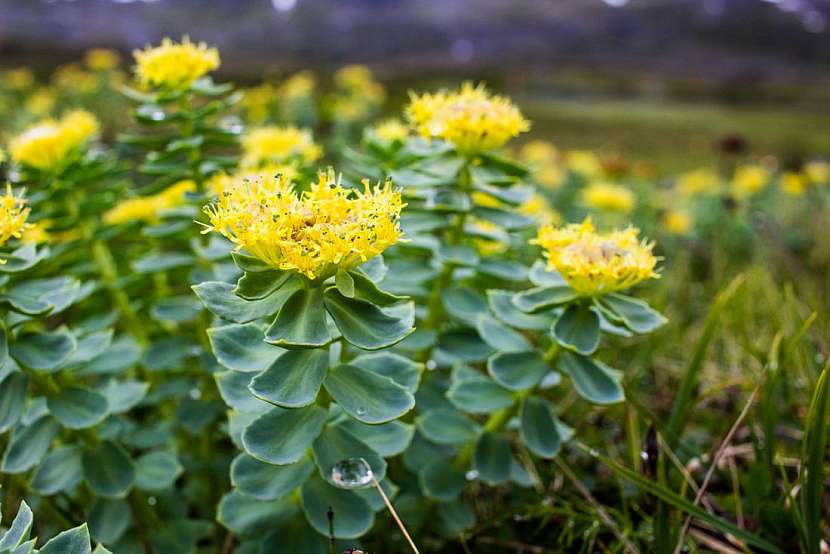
352	473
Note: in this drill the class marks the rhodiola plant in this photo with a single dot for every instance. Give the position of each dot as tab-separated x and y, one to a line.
302	334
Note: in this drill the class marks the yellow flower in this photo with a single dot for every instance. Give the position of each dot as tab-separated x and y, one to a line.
677	222
314	232
818	173
41	101
48	144
697	182
597	263
272	144
257	102
471	118
793	183
174	66
608	196
749	179
583	162
358	79
102	59
298	86
538	152
391	130
223	182
18	79
13	215
74	78
37	233
538	207
148	208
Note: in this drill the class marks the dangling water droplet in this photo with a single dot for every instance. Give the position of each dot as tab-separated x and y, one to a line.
471	475
360	410
195	394
352	473
431	365
644	455
151	500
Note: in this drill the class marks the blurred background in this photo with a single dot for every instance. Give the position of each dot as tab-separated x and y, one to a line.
657	81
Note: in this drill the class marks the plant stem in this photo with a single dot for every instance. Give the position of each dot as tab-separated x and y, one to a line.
109	274
395	516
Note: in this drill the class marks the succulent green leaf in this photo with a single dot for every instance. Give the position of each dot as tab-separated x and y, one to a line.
367	396
352	515
293	379
301	322
517	371
367	326
283	436
265	481
108	469
594	381
578	329
78	407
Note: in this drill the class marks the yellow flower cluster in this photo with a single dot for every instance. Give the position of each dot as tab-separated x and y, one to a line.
596	263
584	163
298	86
678	222
148	208
817	172
48	144
13	216
471	118
278	145
221	183
174	66
19	78
314	232
794	183
608	196
697	182
543	157
102	59
391	130
357	94
257	102
748	180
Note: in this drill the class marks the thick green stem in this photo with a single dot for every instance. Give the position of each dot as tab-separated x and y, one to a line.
109	274
435	309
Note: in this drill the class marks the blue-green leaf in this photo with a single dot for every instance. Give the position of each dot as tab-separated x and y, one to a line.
367	396
283	436
578	329
293	379
301	322
594	380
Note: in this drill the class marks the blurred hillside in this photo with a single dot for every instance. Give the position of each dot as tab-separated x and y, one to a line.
711	41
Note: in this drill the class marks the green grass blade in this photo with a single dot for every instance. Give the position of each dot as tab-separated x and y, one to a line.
683	504
813	450
684	401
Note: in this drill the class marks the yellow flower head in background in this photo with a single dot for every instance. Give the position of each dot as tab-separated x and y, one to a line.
677	222
597	263
610	197
358	79
298	86
149	208
13	216
174	66
471	118
75	79
583	162
48	144
793	183
538	152
278	145
391	130
102	59
41	101
698	182
538	207
313	232
257	102
748	180
817	172
18	79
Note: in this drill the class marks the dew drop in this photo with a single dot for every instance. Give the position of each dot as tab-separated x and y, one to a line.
360	410
352	473
151	501
195	394
644	455
431	365
471	475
